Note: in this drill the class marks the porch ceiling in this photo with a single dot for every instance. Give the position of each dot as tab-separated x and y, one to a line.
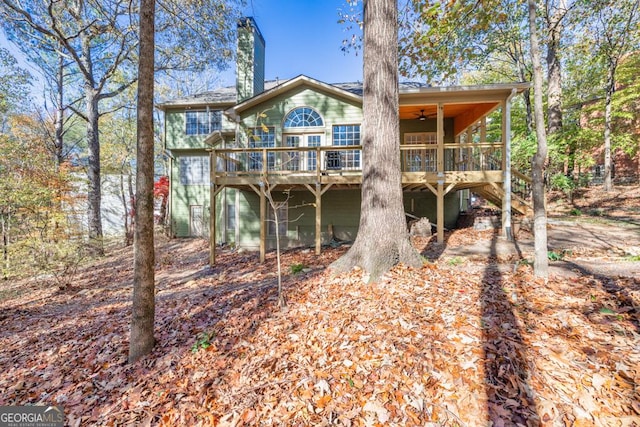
408	112
464	114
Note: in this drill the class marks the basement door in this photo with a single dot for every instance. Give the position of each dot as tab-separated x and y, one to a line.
196	221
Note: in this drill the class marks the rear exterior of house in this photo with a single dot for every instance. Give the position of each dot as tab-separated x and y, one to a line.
301	139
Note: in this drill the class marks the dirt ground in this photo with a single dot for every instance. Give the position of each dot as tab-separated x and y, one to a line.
471	339
604	238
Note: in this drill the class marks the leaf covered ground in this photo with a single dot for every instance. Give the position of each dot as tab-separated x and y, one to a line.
463	341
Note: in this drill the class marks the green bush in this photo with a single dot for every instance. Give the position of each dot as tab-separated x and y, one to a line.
555	256
562	182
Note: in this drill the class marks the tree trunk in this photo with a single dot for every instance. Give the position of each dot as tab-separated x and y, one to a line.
59	124
523	76
608	158
274	206
541	260
94	193
526	94
142	337
128	229
5	243
383	239
554	76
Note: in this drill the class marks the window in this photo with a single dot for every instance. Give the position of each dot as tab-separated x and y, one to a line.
421	138
313	141
231	215
261	138
344	159
194	170
203	122
346	135
419	160
283	219
303	117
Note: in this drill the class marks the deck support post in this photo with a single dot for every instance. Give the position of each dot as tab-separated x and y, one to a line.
440	214
263	220
318	194
440	169
214	190
440	191
318	191
213	194
506	168
212	208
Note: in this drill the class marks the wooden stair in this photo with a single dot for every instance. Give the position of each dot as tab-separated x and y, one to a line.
494	193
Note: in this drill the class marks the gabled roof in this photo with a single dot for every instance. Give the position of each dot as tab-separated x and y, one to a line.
222	97
351	91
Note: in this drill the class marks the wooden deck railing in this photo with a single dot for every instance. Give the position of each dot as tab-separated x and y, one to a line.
329	160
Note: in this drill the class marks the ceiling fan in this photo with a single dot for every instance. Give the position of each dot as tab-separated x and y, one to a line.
421	117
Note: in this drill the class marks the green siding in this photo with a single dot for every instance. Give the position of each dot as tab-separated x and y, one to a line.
185	196
272	112
340	209
176	137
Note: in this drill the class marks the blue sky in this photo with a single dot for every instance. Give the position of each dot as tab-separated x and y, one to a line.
304	37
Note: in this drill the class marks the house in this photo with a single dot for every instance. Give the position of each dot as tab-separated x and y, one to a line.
303	136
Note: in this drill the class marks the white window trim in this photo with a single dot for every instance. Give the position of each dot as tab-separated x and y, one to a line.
210	113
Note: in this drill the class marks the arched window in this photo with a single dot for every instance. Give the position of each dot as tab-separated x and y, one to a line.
303	117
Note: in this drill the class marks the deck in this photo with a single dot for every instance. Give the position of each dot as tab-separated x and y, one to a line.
463	165
439	168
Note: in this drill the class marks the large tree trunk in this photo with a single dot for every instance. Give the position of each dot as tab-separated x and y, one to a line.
541	260
383	239
608	158
142	338
554	76
94	193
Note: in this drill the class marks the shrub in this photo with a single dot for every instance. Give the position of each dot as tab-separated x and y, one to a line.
297	268
563	183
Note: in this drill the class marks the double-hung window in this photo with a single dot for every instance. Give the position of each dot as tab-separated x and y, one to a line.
194	170
203	122
231	215
262	138
347	135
